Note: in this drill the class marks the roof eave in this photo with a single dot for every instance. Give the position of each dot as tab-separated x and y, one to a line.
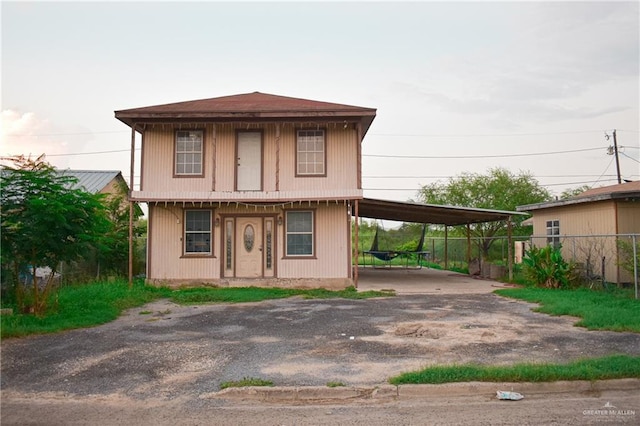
131	118
635	195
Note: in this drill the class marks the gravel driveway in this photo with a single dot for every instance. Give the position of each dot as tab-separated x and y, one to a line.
164	350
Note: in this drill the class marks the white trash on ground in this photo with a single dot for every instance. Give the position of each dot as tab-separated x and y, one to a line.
511	396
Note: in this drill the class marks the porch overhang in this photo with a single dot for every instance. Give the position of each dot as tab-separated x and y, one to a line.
429	213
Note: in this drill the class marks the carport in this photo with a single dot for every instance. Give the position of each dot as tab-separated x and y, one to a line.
434	214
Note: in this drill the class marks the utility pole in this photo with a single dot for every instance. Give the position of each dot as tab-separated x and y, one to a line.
613	150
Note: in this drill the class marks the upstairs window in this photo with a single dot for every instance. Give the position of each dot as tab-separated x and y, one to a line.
189	145
299	233
197	232
311	153
553	233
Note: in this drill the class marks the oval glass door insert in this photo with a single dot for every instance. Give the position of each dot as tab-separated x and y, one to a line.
249	237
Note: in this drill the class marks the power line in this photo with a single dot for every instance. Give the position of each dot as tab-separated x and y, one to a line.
18	135
482	156
544	185
629	157
429	135
90	153
451	176
473	135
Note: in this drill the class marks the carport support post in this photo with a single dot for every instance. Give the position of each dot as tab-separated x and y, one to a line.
446	247
510	247
468	244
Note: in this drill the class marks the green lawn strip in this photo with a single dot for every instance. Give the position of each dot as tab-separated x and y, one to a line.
98	303
247	381
598	310
82	306
610	367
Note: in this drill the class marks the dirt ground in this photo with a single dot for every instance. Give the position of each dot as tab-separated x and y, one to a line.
172	358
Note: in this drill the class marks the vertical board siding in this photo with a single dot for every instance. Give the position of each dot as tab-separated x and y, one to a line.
341	167
331	257
225	157
341	146
584	219
628	217
166	249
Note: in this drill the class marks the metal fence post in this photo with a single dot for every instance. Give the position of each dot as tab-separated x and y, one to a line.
635	263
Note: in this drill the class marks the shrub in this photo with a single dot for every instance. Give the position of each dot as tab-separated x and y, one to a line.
545	267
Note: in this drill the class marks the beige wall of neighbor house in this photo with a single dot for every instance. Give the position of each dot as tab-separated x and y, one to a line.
628	217
591	221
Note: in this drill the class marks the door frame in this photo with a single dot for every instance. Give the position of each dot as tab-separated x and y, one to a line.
265	217
261	132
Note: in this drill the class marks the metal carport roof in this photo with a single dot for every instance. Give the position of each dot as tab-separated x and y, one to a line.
427	213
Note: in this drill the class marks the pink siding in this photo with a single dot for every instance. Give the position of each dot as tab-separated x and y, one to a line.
331	232
332	247
159	183
166	249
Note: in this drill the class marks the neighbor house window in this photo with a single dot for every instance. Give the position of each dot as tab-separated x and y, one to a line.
553	232
299	230
189	145
310	153
197	232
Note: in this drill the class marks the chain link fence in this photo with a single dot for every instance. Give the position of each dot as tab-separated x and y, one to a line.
611	258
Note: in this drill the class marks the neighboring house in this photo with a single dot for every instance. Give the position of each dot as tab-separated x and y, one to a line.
108	182
111	183
588	226
251	189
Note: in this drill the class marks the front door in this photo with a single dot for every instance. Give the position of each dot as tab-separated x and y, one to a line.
249	247
249	164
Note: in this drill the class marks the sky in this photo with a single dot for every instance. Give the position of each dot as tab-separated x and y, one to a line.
459	87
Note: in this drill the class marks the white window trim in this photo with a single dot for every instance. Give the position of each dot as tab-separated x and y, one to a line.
553	238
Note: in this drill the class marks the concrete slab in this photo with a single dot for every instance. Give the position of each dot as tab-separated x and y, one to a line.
424	281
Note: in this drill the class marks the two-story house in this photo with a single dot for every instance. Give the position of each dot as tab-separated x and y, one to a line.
251	189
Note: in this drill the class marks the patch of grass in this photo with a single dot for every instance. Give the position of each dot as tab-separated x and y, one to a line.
200	295
97	303
247	381
82	306
598	310
610	367
335	384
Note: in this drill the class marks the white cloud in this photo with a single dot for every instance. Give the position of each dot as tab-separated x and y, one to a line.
24	133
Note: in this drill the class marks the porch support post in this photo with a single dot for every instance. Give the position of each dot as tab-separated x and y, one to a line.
446	247
131	180
277	156
214	137
359	154
510	247
356	245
